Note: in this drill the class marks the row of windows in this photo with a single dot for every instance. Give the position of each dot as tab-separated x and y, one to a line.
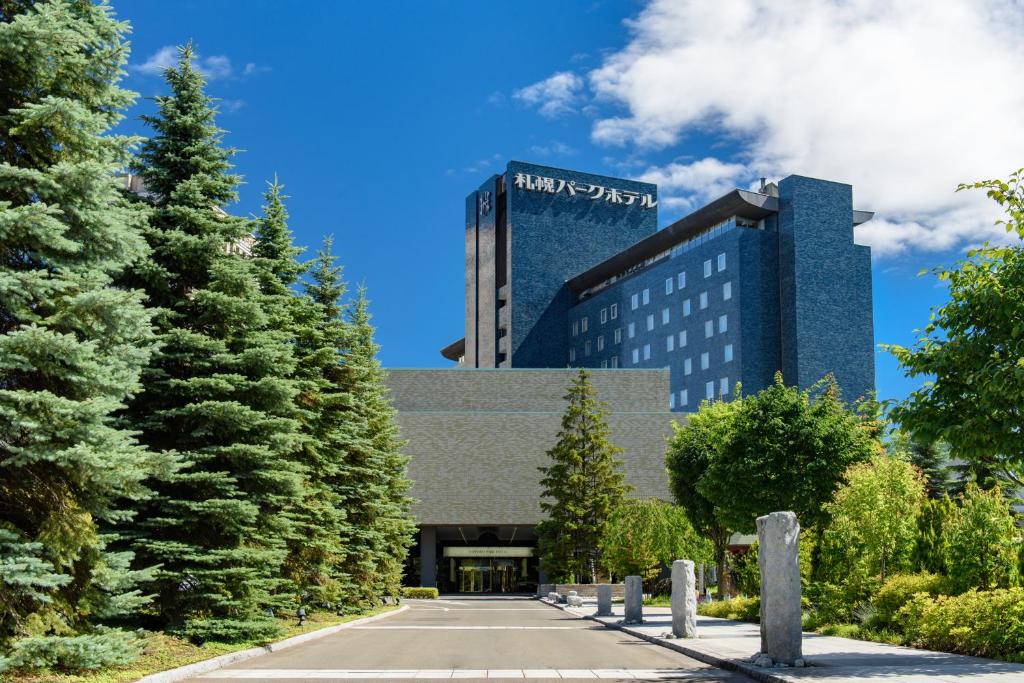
644	353
670	340
709	393
583	324
679	282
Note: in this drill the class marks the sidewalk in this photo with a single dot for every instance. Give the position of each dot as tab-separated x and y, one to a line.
730	644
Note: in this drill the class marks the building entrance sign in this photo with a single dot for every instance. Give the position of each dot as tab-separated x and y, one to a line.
489	551
612	195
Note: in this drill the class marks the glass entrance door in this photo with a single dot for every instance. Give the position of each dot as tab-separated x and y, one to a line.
474	576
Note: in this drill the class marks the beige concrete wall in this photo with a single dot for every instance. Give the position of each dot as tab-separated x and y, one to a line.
477	437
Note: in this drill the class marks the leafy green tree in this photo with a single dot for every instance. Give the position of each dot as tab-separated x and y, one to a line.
72	345
874	516
930	545
786	450
691	449
642	536
219	395
581	487
376	486
973	347
981	542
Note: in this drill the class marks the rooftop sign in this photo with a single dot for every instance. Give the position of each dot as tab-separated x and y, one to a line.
612	195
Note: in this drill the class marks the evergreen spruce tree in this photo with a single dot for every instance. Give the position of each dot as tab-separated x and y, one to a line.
72	345
933	460
219	395
317	516
581	487
376	500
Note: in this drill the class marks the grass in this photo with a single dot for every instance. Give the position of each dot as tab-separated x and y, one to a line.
658	601
161	652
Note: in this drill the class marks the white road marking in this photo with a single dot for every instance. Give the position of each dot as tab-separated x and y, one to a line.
394	674
466	628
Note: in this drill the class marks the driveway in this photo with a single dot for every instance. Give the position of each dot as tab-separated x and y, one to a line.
475	639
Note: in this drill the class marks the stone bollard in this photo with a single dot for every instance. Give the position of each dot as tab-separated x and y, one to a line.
604	600
684	600
574	601
778	538
634	600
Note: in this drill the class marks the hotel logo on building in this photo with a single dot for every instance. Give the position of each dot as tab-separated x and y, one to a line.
612	195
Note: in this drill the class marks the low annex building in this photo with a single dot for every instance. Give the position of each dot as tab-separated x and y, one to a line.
475	441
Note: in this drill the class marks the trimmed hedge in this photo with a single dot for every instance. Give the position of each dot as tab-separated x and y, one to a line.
420	592
979	623
899	589
737	609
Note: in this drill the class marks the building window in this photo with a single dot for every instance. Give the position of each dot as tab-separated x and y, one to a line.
707	268
647	296
584	326
572	355
681	281
575	328
650	322
709	391
721	262
618	335
647	351
664	316
723	386
615	361
668	286
684	397
709	328
705	360
636	356
604	315
634	301
723	324
670	342
615	311
682	339
686	308
631	330
600	342
671	400
687	366
586	348
703	300
604	363
727	290
727	353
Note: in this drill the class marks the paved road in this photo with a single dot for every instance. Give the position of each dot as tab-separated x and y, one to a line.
475	639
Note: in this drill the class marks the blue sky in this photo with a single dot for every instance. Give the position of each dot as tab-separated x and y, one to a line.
380	117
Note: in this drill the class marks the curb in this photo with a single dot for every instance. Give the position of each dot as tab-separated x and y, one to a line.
207	665
760	675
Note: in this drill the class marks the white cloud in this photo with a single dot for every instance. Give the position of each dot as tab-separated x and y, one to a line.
555	95
554	148
695	183
212	67
903	100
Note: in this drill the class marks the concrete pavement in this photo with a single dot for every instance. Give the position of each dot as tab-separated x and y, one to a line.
730	644
475	639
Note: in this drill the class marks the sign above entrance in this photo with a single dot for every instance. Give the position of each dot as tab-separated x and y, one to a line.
489	551
612	195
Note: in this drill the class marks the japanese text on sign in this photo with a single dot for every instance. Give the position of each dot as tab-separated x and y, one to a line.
612	195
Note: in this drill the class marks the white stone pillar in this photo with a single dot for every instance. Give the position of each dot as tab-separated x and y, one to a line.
684	600
634	600
778	538
604	600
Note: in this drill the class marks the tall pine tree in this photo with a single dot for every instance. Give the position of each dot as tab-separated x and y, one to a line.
219	395
375	494
581	487
72	345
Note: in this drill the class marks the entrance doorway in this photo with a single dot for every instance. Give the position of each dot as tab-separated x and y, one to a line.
489	569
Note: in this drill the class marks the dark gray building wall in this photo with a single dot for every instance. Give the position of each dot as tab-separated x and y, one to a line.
554	237
476	437
825	288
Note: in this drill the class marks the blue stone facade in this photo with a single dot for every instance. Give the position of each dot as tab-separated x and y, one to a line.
747	286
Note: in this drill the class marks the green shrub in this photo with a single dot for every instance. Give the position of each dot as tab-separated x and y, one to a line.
746	571
829	604
984	624
737	609
899	588
230	630
420	592
93	651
